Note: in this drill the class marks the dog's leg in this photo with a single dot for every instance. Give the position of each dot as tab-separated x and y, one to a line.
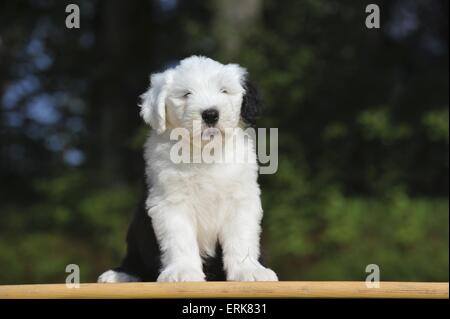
240	243
175	231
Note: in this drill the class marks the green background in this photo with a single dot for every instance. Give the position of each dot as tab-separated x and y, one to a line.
362	116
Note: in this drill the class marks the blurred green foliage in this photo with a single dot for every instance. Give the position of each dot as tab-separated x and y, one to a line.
319	234
74	223
362	118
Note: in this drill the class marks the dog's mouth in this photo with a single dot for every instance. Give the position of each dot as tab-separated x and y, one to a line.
210	132
207	132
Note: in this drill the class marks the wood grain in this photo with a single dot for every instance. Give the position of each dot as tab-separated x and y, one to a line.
282	289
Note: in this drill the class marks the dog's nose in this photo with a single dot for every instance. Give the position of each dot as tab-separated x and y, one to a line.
210	116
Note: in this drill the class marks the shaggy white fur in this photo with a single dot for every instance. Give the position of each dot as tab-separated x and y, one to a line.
194	205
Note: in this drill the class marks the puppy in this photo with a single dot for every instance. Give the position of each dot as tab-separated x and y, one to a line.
200	221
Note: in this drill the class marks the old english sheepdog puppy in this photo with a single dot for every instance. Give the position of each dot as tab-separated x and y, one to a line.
200	221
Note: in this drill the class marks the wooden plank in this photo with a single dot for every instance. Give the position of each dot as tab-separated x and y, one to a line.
282	289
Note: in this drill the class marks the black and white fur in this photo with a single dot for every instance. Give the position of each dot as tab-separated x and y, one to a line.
200	221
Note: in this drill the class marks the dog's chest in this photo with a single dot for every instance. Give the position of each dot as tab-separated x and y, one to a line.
211	192
211	197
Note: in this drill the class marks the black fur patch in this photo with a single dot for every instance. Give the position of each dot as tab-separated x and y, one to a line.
251	104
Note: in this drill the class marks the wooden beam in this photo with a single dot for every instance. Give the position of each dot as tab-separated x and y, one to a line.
282	289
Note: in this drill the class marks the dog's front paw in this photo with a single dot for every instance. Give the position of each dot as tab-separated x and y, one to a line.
112	276
255	272
175	273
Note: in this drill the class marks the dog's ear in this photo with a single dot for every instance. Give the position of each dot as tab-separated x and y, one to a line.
153	102
251	103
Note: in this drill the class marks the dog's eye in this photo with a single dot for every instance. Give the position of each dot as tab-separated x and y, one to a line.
224	91
187	94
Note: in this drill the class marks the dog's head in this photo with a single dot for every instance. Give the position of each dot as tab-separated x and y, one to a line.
203	90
